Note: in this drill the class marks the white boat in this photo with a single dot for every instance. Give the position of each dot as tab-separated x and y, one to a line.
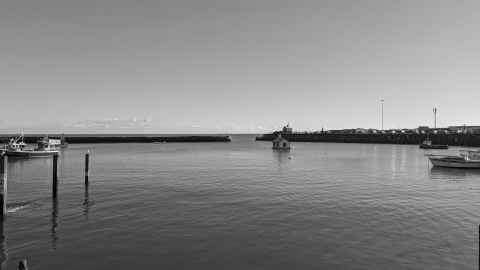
280	143
16	147
15	144
468	159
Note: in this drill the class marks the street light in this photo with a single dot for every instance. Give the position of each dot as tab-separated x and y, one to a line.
381	101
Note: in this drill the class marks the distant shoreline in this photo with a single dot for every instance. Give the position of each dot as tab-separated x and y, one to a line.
471	140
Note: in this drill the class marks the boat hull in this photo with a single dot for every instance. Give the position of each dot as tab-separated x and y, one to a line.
281	148
455	163
30	154
433	146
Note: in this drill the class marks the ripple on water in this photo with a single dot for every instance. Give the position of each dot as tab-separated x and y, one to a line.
243	206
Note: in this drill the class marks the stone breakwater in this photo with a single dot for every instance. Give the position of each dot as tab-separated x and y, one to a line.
128	139
472	140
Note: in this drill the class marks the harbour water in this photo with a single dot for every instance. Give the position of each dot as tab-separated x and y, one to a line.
241	205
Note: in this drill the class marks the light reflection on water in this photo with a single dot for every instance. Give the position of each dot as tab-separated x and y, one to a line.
457	174
54	220
3	247
242	205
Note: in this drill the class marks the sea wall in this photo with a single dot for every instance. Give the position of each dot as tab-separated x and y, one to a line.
128	139
449	139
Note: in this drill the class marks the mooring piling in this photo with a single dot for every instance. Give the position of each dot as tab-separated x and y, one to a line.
22	265
3	246
3	183
87	167
55	176
54	223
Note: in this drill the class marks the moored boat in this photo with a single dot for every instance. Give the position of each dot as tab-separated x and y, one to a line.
16	147
427	144
466	159
280	143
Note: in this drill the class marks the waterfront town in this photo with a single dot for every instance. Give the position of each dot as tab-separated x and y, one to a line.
419	130
468	136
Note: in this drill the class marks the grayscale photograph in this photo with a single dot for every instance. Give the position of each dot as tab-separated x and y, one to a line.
239	134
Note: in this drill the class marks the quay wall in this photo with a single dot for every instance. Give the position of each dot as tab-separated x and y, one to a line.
128	139
472	140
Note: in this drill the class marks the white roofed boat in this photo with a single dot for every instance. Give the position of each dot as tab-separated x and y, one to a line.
465	159
16	147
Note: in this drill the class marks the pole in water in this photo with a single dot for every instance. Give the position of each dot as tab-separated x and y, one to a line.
22	265
55	176
381	101
87	165
3	246
3	183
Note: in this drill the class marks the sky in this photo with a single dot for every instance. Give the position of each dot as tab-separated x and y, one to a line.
190	66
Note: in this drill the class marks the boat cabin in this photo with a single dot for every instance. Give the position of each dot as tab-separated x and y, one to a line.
16	144
46	144
427	142
281	143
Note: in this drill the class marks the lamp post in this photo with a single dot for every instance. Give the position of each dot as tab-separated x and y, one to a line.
381	102
434	118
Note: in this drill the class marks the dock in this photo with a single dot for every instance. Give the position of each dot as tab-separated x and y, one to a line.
126	138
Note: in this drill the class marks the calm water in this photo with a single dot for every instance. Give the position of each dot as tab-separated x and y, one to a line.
240	205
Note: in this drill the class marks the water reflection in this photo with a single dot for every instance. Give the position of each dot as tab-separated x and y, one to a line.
393	160
281	156
54	220
440	173
86	203
3	247
18	165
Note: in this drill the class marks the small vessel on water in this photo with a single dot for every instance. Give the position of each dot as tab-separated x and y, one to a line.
280	143
469	159
15	144
16	147
427	144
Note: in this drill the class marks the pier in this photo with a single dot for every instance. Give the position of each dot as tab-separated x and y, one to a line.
127	138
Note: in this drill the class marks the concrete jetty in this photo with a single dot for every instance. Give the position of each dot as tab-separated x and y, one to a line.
126	138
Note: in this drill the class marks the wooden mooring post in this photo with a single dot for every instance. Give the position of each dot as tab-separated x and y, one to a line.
3	183
87	167
55	176
22	265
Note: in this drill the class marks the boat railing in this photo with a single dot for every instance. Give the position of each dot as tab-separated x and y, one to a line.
437	155
470	154
442	155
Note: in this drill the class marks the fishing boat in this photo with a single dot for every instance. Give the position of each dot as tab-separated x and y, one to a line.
14	144
16	147
427	144
468	159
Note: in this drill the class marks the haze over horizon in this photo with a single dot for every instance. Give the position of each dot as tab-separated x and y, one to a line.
209	66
